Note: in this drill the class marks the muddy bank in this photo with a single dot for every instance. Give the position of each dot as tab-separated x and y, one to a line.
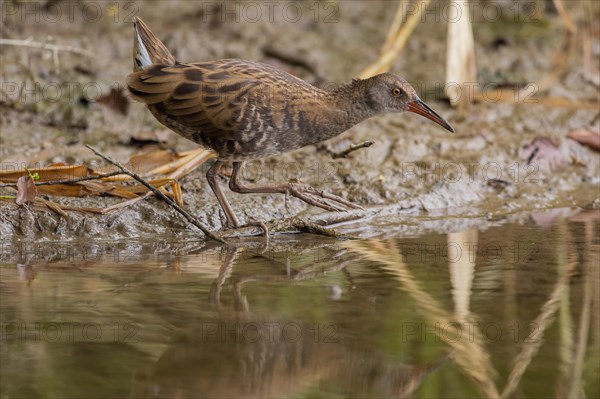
413	169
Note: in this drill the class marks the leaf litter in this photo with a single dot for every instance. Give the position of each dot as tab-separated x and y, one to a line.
163	169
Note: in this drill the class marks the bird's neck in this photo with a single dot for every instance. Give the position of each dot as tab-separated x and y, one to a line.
348	105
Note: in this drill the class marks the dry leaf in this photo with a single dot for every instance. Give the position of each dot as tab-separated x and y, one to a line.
53	172
53	206
115	100
157	163
63	190
586	137
26	190
159	137
99	187
146	162
177	194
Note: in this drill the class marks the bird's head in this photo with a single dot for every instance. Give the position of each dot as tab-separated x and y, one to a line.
391	93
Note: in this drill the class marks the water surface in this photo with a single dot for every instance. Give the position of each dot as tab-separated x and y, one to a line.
506	309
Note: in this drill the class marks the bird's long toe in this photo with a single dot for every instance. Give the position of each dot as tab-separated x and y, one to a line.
321	199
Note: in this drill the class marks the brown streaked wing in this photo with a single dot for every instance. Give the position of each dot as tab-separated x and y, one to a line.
203	96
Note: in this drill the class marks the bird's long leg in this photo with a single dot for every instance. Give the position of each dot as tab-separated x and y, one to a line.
308	194
213	180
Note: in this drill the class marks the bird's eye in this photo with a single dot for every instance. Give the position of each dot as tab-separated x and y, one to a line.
396	91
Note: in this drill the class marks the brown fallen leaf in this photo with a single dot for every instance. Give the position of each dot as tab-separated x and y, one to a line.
69	180
98	187
156	137
63	190
39	205
53	206
26	191
193	161
544	153
51	173
115	100
586	137
177	194
147	161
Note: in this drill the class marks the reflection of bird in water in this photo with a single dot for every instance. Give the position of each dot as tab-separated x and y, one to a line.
274	358
242	354
26	272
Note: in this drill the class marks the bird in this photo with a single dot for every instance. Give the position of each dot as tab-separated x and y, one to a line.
246	110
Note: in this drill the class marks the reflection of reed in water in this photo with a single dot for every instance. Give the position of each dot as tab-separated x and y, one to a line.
471	355
468	349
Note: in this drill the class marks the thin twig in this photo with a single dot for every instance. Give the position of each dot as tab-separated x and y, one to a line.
46	46
159	194
69	181
352	148
127	203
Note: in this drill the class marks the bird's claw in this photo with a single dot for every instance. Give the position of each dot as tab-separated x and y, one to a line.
319	198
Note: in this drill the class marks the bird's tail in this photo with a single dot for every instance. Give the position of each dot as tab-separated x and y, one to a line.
147	48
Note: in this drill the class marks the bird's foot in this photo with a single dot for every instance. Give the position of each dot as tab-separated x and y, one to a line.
261	225
265	231
319	198
227	224
304	192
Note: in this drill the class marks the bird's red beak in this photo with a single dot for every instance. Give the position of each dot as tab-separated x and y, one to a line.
419	107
